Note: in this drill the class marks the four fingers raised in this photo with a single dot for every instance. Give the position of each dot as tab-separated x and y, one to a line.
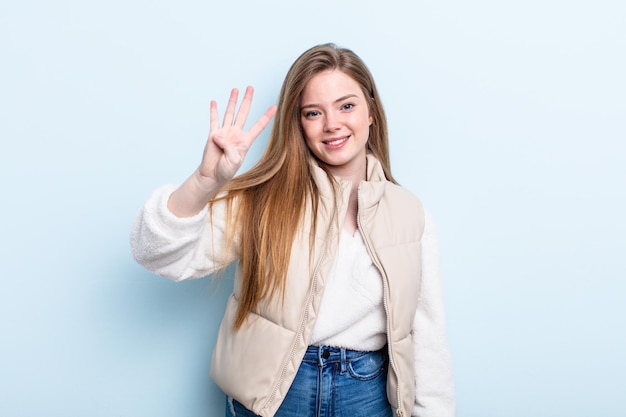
230	138
239	120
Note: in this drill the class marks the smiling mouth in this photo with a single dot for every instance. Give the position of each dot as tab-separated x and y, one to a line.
335	141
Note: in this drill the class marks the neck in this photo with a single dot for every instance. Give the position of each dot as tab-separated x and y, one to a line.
355	173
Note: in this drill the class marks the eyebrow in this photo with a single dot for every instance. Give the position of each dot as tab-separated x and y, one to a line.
347	96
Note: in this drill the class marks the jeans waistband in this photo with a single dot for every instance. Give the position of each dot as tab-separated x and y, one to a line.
327	354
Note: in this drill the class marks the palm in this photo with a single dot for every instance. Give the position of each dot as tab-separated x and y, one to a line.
228	144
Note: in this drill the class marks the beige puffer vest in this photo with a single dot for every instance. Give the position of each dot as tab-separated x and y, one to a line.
257	363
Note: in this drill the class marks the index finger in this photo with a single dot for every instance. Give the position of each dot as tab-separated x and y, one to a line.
263	121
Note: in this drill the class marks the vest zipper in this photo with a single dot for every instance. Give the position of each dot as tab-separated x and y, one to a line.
399	412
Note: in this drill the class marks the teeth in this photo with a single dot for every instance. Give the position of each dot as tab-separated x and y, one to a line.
335	142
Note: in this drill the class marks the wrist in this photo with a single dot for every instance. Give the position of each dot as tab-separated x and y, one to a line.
193	195
204	186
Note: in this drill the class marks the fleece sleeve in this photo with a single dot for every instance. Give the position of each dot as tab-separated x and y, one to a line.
434	396
179	248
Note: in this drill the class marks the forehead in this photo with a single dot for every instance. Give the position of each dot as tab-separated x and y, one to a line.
329	85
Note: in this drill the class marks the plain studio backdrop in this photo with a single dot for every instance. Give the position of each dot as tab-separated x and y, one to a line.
506	118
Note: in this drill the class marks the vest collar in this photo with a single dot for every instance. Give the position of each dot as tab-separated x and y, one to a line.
370	191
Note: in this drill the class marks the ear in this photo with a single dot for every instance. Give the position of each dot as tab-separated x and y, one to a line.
371	120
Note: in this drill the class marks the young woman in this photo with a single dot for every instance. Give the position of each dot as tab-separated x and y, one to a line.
336	308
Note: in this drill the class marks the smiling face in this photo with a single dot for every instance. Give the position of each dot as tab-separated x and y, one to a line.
335	119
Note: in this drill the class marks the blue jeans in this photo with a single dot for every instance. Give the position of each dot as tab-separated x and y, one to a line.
333	382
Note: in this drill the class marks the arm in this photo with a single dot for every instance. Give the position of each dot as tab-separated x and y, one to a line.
223	154
434	382
180	248
174	234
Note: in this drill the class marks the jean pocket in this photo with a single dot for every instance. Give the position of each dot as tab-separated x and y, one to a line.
367	367
235	409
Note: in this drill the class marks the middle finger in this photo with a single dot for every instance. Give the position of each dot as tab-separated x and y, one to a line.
242	114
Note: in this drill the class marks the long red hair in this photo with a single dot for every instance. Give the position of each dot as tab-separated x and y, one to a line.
271	198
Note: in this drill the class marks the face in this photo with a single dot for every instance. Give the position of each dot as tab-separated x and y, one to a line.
335	118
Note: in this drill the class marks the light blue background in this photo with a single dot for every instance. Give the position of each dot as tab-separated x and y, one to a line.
507	118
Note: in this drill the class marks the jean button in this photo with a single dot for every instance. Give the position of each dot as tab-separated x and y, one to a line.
325	354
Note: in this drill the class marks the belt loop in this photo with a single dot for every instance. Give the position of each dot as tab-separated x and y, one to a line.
323	354
343	360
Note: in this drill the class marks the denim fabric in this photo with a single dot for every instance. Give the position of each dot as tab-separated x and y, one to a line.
333	382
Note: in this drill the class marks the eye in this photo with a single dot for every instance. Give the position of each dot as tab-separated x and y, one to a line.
347	106
311	113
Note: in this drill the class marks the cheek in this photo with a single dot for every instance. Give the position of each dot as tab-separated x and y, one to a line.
309	131
307	141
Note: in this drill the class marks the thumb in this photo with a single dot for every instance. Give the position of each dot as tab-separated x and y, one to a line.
233	156
219	141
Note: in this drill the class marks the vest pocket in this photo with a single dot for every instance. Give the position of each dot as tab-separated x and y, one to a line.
246	363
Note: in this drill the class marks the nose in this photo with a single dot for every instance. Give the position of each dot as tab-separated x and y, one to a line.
332	122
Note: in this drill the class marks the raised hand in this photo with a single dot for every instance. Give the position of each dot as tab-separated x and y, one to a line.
228	144
224	153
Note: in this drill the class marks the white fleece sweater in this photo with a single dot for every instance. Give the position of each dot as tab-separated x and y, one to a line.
351	314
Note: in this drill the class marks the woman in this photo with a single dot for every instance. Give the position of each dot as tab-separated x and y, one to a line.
336	308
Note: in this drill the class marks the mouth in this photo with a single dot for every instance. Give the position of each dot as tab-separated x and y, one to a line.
336	142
